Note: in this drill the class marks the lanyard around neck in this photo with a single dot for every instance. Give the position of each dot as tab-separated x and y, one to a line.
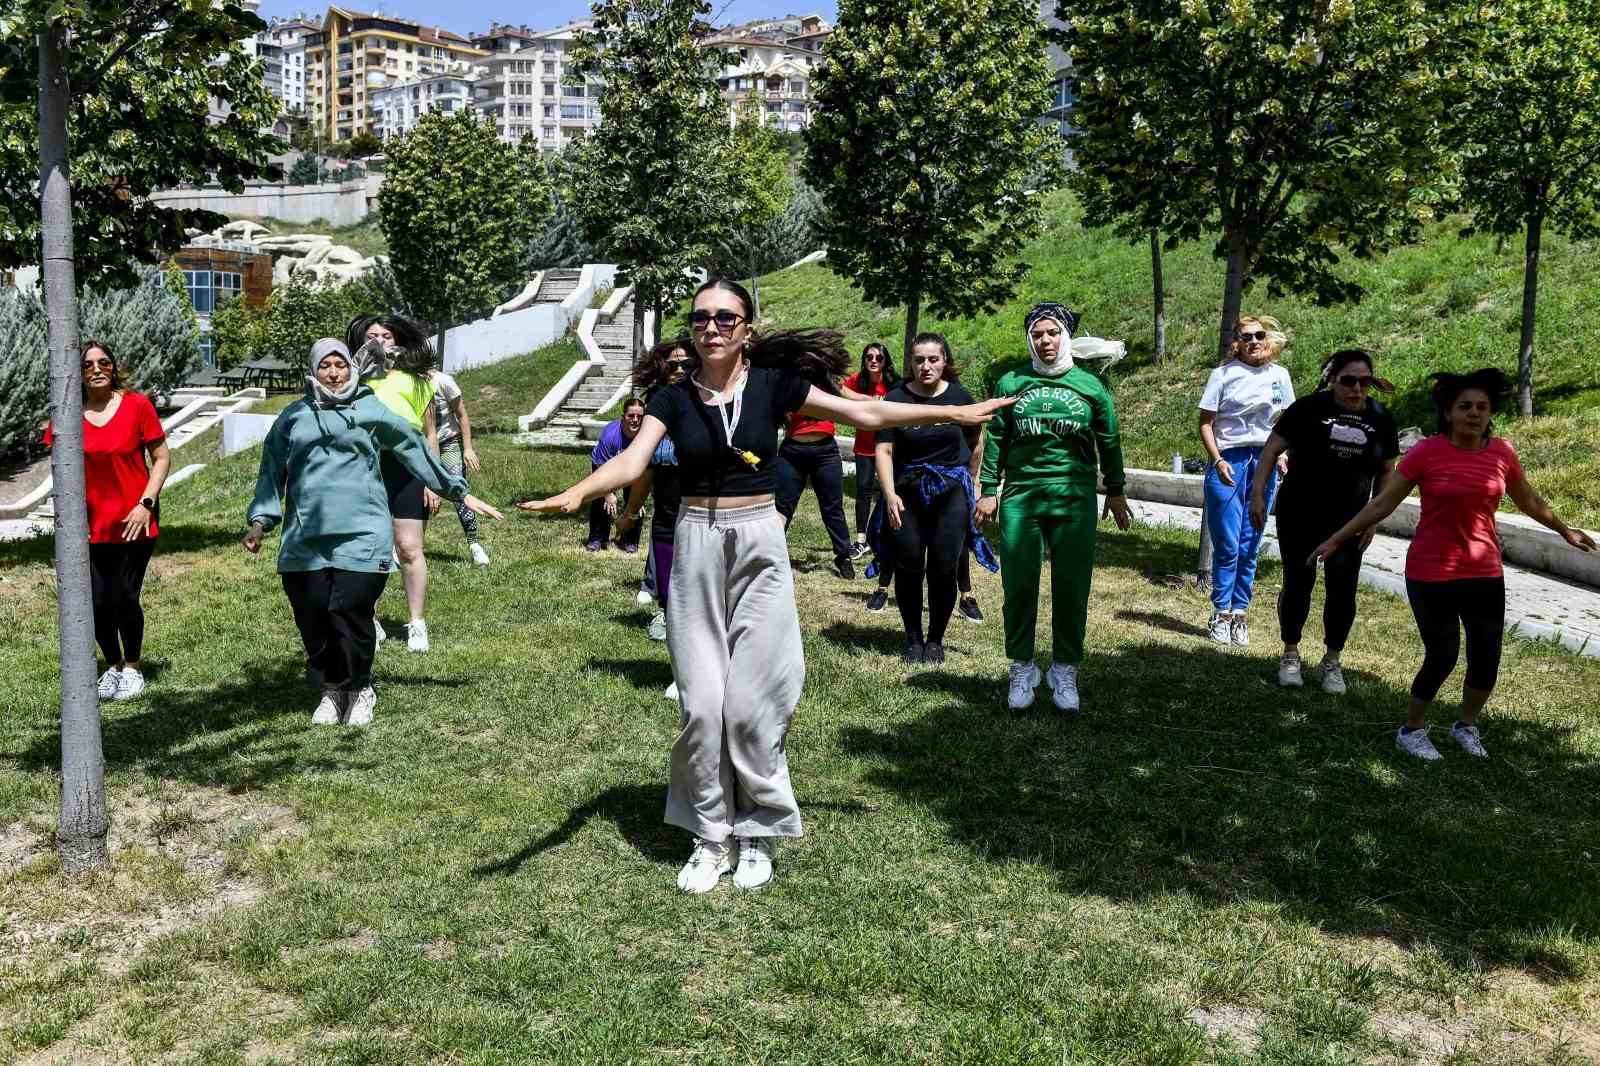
730	424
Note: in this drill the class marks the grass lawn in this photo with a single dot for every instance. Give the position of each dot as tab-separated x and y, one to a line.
1199	870
365	236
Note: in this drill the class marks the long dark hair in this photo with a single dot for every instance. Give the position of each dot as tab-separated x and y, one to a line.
416	352
1342	358
652	371
817	355
891	376
951	371
1447	387
119	380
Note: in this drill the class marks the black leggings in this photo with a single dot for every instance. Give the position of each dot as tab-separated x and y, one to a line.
930	541
116	577
1341	573
1443	609
866	490
817	462
333	609
600	522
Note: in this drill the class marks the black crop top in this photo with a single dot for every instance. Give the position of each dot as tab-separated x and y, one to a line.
946	444
707	466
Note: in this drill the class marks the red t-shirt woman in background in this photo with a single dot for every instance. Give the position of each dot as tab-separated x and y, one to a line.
125	462
872	382
1453	574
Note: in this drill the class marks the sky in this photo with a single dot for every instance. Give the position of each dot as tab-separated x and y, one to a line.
467	17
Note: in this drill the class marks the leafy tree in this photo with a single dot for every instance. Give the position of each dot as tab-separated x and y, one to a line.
293	318
560	242
751	251
458	209
1531	133
24	373
761	163
1137	222
926	147
307	170
363	144
152	329
1288	127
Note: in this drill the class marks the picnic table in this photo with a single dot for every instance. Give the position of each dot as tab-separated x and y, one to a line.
274	375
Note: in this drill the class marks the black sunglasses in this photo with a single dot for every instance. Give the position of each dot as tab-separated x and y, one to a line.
1258	335
725	320
1351	381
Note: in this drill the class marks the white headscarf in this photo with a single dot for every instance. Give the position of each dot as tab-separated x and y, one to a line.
1074	349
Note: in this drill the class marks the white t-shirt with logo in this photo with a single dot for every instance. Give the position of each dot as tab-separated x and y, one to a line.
1247	400
446	393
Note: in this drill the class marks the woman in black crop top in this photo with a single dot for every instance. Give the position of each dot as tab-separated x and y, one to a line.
732	626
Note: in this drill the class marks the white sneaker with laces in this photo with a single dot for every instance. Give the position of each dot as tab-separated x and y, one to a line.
1063	682
672	692
1289	672
130	684
1468	740
707	863
1240	631
755	861
643	598
416	635
1220	628
479	556
362	704
377	629
658	626
1024	679
1417	743
108	683
327	712
1333	678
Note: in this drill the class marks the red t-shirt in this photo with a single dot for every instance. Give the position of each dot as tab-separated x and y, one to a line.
800	422
114	468
1461	491
866	440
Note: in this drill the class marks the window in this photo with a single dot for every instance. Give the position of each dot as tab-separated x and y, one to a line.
549	133
574	92
550	50
208	350
549	89
549	110
797	86
211	290
574	112
549	68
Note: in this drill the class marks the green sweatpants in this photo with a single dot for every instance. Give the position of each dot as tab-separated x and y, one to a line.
1029	522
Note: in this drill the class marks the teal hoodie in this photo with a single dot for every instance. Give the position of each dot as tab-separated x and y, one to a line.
319	477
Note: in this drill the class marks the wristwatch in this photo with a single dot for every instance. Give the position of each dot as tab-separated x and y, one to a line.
147	502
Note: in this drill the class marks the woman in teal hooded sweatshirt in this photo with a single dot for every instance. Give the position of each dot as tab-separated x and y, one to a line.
319	478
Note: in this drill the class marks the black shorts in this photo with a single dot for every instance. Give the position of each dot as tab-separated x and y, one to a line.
404	490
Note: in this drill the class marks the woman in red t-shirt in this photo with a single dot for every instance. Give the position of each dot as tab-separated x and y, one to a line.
120	433
872	382
1453	575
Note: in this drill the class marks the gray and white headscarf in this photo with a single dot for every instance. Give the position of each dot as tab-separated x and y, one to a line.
1072	348
323	395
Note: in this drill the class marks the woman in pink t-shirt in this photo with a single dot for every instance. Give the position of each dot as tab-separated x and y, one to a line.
1453	575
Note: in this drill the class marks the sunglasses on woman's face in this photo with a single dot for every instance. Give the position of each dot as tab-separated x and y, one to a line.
1258	335
874	357
725	320
1353	381
98	364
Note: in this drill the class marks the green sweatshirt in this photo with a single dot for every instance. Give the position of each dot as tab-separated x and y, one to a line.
1057	436
319	467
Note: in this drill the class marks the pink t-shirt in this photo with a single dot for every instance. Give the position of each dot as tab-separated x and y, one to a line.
1461	491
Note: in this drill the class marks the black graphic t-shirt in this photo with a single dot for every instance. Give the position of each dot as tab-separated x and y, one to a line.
707	466
946	444
1334	455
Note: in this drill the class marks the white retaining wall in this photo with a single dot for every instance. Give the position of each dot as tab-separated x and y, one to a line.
490	340
342	204
241	430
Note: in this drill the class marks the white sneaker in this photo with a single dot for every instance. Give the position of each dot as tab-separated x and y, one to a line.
1240	631
1289	672
108	683
1417	743
327	712
755	861
416	635
1333	678
377	629
1220	628
130	684
672	692
643	598
707	863
362	704
1063	681
479	556
1024	679
658	626
1468	740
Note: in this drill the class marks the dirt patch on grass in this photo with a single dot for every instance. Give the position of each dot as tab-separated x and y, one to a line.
165	567
1240	1025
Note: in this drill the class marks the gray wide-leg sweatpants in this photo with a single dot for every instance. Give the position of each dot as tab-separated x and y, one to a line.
734	635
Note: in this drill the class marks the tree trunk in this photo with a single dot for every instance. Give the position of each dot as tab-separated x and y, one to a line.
638	331
83	822
1158	289
755	295
1530	311
438	352
913	313
1233	291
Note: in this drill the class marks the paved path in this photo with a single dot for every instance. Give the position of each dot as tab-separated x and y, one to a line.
1537	605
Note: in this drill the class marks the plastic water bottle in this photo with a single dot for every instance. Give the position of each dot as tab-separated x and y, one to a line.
1177	462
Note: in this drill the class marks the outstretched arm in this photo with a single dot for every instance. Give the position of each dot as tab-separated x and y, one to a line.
881	414
620	470
1530	503
1397	488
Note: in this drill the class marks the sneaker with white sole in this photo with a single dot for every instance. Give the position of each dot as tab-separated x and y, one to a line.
1019	689
672	692
377	630
1333	678
361	705
643	598
707	863
878	600
1289	673
1417	743
1063	682
968	608
479	556
416	635
328	708
1220	628
755	861
108	683
658	626
129	684
1239	631
1468	739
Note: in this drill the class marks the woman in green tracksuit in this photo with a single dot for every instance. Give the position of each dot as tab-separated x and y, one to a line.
1048	450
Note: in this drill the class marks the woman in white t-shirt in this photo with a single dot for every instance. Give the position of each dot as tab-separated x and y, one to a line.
1242	400
455	449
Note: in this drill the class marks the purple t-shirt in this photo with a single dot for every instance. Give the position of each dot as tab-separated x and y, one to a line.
611	444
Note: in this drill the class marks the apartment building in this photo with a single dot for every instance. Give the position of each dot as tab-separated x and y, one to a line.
775	75
528	88
354	53
1061	95
396	108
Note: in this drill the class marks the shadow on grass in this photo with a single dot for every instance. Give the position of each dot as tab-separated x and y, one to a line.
1162	621
176	537
651	675
884	639
1191	773
634	809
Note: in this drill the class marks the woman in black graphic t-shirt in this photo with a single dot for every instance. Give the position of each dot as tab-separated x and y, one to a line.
1341	445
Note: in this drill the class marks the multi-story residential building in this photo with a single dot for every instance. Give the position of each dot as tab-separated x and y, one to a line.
289	36
396	108
1062	96
774	76
532	90
355	53
504	38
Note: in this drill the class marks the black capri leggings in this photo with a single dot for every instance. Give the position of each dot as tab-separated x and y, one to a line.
930	540
866	490
1341	573
116	577
1443	609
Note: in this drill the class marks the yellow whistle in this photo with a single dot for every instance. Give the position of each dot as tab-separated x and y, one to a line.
751	458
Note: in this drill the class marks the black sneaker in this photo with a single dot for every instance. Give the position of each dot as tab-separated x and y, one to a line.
915	653
969	609
859	551
844	568
878	600
933	653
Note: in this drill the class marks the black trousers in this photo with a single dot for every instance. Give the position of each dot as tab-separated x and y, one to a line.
116	577
1443	609
815	462
866	490
1297	539
929	543
333	609
600	523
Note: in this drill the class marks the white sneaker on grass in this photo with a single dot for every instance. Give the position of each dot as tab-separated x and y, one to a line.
377	629
1417	743
1468	739
416	635
130	684
658	626
1024	679
362	704
108	683
1220	628
1289	675
1063	682
479	556
1333	677
327	712
707	863
672	692
755	861
1239	632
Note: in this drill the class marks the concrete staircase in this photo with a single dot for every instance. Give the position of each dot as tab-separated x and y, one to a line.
556	285
610	333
